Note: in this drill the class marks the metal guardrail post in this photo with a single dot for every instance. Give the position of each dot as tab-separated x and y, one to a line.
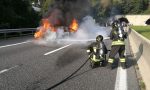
20	33
5	35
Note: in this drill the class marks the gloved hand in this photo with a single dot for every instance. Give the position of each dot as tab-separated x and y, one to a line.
120	35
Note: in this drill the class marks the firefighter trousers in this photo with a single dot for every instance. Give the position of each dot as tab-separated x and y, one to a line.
117	49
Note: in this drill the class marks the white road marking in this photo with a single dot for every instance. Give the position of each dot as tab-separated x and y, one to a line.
57	49
6	70
121	79
14	44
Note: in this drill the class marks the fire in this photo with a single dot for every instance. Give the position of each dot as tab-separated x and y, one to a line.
74	26
46	25
38	34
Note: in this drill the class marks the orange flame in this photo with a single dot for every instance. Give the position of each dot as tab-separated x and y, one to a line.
38	34
46	25
74	26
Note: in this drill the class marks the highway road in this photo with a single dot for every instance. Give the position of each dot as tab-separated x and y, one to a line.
25	65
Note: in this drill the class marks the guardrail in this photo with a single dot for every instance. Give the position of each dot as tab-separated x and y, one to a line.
5	33
141	49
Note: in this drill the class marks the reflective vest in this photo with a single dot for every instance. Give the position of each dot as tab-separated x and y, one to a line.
117	39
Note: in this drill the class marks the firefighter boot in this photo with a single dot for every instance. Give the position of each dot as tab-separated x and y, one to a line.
92	64
110	63
101	63
123	65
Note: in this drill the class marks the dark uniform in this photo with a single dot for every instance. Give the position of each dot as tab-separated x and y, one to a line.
97	51
118	37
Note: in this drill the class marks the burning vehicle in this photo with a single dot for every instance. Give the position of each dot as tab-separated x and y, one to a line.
64	15
46	25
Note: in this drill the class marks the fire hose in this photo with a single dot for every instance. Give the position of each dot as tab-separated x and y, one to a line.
67	78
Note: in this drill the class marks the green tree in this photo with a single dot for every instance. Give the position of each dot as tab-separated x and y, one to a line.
101	9
133	6
17	14
46	4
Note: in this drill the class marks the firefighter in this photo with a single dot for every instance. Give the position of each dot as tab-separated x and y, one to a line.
118	37
97	52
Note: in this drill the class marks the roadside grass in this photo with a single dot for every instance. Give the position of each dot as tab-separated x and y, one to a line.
147	11
142	85
143	30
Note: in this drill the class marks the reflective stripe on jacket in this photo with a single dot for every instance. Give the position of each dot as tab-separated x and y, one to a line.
118	42
94	58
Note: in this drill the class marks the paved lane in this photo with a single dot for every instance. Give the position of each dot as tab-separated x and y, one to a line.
25	67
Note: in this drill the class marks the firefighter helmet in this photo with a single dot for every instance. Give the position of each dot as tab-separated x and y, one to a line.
99	38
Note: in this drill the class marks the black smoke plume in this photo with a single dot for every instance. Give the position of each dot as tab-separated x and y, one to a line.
61	12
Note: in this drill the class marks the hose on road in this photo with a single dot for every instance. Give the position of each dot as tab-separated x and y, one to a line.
64	80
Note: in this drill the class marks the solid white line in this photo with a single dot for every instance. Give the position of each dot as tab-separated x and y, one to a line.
121	79
14	44
6	70
57	49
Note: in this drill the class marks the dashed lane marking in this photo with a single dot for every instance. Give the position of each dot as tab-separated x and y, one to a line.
6	70
57	49
14	44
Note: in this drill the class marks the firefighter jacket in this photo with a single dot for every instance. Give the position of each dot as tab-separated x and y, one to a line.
96	50
118	36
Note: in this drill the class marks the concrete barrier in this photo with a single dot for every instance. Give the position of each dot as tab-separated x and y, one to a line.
141	50
136	20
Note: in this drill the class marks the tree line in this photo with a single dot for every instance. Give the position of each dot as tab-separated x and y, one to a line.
103	9
20	14
17	14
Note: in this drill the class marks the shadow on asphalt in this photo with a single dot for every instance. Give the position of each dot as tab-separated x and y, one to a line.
65	59
66	79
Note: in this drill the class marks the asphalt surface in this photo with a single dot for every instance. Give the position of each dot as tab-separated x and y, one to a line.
25	67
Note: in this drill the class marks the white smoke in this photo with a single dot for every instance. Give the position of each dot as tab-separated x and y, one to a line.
88	29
